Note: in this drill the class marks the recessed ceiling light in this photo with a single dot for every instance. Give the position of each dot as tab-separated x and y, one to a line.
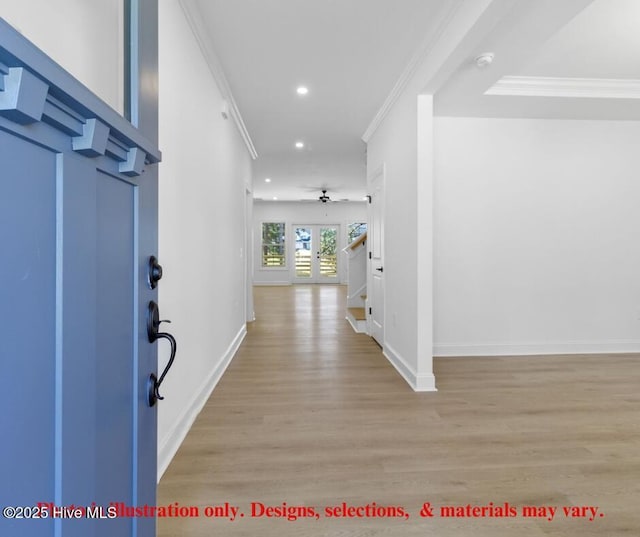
275	198
365	198
299	145
267	180
302	90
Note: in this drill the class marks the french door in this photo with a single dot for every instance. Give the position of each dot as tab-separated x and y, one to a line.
316	253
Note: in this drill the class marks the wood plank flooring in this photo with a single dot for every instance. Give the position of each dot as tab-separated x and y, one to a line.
311	414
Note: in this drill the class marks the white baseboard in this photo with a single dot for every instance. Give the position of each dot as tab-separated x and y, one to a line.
169	445
425	382
264	284
523	349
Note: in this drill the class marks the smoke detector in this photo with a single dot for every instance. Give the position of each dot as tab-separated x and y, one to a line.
485	59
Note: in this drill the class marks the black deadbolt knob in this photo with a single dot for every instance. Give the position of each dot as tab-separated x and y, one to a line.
155	272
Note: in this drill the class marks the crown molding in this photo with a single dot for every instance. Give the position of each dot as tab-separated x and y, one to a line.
194	18
414	63
593	88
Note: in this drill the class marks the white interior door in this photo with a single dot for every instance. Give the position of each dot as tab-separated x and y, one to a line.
315	255
375	286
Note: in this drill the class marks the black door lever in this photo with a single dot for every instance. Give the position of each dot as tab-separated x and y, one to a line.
153	326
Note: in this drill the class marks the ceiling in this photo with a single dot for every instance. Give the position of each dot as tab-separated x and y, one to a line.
602	41
594	52
351	53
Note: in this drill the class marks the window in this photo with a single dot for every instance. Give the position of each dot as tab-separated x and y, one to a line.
273	253
355	230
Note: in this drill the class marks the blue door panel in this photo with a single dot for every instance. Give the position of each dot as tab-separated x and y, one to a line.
116	345
76	209
27	307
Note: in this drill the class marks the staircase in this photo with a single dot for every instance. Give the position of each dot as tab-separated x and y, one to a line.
357	283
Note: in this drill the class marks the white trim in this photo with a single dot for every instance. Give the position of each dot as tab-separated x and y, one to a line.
171	443
194	18
414	63
522	349
419	383
265	284
541	86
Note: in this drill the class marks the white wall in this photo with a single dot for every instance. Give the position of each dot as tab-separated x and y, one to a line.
205	171
85	38
537	235
342	213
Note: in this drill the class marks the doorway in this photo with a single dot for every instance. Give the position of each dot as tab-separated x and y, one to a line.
375	284
315	256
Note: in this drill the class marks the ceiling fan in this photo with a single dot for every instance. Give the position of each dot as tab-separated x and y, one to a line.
324	198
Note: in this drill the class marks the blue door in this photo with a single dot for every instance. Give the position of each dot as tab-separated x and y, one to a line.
78	225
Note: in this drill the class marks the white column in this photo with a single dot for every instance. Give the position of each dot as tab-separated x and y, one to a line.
425	380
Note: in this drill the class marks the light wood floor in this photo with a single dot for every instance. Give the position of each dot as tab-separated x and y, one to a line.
310	413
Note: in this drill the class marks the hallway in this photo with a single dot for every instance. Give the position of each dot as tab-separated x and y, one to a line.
311	414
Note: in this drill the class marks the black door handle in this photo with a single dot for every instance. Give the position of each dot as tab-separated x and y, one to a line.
153	326
380	269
